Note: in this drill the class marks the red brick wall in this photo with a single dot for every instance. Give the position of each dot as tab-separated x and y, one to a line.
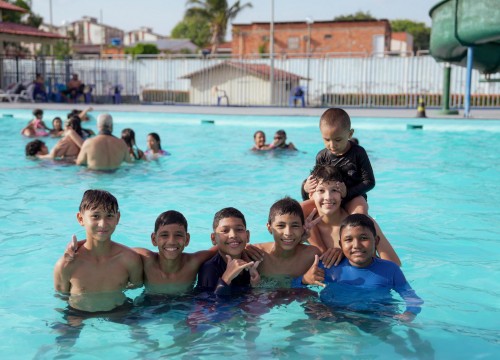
326	37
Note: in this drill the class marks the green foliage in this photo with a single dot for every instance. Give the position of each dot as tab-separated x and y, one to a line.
61	50
421	33
195	28
360	15
142	49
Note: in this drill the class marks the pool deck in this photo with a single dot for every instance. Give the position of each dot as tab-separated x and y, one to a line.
492	114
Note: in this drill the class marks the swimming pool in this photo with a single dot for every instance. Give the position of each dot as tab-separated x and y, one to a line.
436	199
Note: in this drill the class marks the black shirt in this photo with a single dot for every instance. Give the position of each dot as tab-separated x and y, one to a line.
355	167
210	273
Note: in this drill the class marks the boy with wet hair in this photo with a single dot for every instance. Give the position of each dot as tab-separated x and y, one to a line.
367	280
170	270
36	148
326	203
350	158
96	278
223	273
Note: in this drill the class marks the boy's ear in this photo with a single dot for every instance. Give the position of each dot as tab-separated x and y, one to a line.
377	240
188	237
269	228
212	237
79	218
351	133
153	239
248	236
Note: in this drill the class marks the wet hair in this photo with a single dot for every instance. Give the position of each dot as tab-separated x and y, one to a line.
37	112
94	199
73	112
76	124
281	132
258	132
57	118
33	147
227	213
157	138
335	117
105	122
170	217
356	220
325	173
287	205
128	135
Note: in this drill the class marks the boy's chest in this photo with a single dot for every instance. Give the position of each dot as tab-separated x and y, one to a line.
330	235
98	277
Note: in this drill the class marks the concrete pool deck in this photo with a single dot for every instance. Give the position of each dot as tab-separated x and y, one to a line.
476	114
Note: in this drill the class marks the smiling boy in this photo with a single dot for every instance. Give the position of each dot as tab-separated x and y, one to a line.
103	269
365	279
224	273
170	270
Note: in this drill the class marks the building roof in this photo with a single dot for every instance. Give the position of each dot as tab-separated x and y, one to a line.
8	6
173	45
260	70
28	34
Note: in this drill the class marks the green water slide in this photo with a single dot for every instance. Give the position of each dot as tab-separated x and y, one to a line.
459	24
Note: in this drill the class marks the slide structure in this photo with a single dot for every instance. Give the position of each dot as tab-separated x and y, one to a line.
459	24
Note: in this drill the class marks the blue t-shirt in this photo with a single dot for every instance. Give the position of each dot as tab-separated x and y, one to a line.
367	288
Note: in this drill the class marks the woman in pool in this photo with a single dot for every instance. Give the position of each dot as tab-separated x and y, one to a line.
260	141
128	135
36	127
154	150
57	128
69	146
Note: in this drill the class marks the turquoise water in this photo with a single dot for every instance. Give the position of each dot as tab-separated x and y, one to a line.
436	199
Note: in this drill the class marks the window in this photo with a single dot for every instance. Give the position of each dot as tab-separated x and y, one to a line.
293	43
328	36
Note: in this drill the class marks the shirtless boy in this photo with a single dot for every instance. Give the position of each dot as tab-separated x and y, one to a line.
170	270
286	257
96	278
326	202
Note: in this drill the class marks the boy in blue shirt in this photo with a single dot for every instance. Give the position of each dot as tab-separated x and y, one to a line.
361	273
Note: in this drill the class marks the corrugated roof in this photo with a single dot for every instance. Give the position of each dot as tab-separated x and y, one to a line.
19	29
8	6
260	70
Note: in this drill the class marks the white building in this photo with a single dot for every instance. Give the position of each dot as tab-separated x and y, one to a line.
144	34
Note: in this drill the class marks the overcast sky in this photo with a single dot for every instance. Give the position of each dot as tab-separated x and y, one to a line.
163	15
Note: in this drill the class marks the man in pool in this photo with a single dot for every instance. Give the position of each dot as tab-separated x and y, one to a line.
362	274
104	151
36	148
96	279
170	270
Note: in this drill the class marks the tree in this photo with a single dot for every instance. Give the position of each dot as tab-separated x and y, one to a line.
360	15
218	14
142	49
194	28
420	32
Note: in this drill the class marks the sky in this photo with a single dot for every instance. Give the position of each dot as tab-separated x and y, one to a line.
163	15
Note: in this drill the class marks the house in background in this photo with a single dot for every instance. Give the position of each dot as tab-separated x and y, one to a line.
144	34
352	38
236	80
402	43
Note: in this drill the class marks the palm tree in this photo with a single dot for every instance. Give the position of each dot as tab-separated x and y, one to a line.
218	14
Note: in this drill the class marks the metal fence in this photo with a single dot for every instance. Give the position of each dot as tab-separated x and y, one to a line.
331	80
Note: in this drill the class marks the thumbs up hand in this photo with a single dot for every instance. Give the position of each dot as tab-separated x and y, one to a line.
315	275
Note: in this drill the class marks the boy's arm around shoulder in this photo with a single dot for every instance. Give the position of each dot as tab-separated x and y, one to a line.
198	258
133	263
384	247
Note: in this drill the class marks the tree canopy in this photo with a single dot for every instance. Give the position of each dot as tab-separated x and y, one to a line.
420	32
142	49
194	28
360	15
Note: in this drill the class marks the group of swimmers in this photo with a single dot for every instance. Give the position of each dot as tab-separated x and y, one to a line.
326	240
279	141
73	135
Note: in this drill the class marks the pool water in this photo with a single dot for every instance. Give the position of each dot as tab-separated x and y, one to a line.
436	199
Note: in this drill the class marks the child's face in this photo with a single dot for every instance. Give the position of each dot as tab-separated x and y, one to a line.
260	139
57	124
336	138
279	139
358	245
152	143
171	240
287	230
99	224
327	197
230	236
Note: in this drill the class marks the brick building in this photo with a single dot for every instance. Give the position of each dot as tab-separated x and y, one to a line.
364	37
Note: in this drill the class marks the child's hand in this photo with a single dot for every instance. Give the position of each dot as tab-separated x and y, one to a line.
407	316
310	184
254	274
332	256
71	249
315	275
341	189
311	222
234	268
252	253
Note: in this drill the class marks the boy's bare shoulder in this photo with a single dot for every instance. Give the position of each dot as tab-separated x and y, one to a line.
308	250
266	247
125	251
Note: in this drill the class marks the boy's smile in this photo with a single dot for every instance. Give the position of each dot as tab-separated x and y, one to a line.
358	245
99	224
230	236
287	230
171	240
327	197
